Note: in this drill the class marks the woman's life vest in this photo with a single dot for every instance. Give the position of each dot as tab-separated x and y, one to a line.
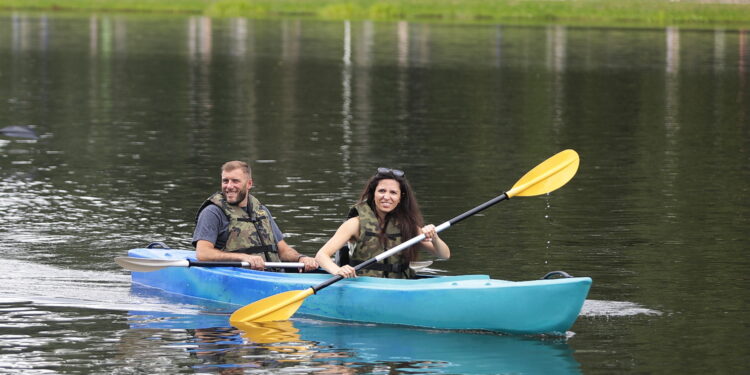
373	241
247	233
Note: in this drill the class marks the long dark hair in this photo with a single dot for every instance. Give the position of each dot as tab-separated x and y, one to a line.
407	215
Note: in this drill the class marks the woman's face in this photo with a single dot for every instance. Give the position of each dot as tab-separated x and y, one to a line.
387	196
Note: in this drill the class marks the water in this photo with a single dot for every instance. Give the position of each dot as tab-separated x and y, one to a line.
135	115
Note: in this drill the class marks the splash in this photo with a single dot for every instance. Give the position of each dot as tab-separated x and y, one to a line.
48	285
594	308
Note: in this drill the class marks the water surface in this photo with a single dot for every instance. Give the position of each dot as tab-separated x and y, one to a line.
135	115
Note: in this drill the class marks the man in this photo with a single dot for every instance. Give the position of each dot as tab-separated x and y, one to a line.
232	225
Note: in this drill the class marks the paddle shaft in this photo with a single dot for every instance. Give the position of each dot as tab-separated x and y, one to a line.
153	264
414	240
245	264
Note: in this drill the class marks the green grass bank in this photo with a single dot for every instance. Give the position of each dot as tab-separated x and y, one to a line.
634	13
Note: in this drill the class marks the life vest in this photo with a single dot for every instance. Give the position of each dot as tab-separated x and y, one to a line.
370	245
250	234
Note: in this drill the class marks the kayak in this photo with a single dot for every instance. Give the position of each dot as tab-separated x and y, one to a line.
467	302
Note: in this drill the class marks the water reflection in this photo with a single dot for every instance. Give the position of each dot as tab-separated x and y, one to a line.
322	347
556	58
743	64
135	113
200	51
346	100
671	112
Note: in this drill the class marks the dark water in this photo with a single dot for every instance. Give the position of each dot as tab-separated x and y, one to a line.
135	115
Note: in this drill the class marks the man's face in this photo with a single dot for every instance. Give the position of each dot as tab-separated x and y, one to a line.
235	185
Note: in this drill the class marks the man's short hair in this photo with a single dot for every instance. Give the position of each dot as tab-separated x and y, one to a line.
234	164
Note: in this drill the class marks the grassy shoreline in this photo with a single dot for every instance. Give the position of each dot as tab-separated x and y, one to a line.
634	13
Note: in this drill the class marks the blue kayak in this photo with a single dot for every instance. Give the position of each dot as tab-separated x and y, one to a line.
469	302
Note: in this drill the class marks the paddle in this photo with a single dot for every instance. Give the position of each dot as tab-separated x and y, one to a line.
150	264
546	177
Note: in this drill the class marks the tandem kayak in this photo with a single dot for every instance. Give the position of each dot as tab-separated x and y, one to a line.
468	302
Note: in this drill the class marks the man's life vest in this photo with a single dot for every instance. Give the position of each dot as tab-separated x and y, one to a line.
247	233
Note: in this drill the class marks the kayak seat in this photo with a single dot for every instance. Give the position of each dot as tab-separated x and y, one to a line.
556	275
157	245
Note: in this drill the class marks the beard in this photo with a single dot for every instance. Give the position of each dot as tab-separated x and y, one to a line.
241	195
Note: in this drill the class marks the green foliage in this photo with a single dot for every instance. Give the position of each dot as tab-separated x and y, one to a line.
386	11
646	13
342	11
234	8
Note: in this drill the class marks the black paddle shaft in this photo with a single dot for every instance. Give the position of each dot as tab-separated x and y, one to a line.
479	208
214	264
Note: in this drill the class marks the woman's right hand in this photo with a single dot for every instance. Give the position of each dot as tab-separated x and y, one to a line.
346	271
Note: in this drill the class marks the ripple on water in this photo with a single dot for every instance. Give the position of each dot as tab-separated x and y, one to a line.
595	308
44	285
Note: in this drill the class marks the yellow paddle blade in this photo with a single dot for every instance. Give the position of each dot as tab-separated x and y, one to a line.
268	332
276	307
548	176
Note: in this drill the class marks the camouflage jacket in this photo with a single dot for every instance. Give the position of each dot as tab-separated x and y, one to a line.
373	241
250	234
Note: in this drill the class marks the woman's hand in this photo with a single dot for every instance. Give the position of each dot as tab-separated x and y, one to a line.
430	233
346	271
433	243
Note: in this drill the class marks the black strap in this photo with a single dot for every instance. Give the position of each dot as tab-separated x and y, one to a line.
252	219
257	249
343	256
259	230
390	268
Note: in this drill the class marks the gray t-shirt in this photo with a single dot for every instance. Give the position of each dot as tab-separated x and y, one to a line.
212	226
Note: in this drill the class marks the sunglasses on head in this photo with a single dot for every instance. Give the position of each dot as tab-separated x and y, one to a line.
395	172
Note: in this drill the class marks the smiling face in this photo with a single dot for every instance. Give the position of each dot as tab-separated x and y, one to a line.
387	196
235	185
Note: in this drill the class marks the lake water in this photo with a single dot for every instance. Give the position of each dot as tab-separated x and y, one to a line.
136	114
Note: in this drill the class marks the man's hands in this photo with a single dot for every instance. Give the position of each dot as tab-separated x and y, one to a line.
310	263
256	261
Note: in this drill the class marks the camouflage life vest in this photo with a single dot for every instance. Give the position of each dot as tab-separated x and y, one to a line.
250	234
370	245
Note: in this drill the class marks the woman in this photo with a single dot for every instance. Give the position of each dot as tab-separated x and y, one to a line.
387	214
